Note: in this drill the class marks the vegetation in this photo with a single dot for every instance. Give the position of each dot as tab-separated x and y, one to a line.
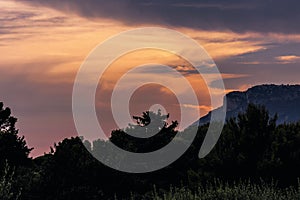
13	148
7	192
252	148
224	191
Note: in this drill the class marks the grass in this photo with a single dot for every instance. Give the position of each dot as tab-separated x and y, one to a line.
219	191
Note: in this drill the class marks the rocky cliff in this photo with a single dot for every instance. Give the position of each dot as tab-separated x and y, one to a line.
281	99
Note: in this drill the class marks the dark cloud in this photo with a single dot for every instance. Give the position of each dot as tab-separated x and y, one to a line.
266	56
236	15
10	20
11	16
262	67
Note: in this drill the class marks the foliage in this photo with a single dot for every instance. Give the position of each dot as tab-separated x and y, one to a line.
13	148
251	147
148	124
7	190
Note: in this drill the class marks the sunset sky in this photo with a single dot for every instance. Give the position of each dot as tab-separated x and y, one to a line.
43	43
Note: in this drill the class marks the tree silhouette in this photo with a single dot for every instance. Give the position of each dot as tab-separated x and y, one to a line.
13	148
152	125
245	145
251	147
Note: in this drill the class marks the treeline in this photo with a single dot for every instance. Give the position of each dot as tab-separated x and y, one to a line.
251	147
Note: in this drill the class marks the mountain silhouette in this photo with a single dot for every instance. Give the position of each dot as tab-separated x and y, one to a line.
283	100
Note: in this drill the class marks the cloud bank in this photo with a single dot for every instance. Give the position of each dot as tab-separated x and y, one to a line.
235	15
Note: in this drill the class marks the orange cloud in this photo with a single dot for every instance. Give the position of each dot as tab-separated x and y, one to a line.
288	58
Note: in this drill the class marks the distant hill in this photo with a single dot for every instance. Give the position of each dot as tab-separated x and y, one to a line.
281	99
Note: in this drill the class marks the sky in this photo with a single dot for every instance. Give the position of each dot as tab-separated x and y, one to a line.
43	43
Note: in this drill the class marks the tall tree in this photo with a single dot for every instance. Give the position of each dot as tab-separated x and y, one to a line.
152	125
13	148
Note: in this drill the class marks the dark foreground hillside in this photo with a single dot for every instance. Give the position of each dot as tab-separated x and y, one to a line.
254	156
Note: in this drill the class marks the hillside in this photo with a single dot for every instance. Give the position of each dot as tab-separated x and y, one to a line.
281	99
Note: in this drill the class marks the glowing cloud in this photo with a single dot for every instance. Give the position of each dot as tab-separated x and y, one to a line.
288	58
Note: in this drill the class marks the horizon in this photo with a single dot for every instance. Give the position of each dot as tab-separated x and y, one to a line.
155	111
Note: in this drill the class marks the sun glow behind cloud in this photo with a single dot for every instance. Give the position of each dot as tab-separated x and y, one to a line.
288	58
